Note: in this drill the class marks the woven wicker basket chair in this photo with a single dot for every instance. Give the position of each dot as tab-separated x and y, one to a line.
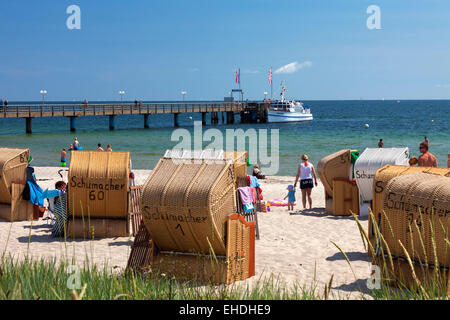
13	165
412	207
98	194
381	179
336	165
186	207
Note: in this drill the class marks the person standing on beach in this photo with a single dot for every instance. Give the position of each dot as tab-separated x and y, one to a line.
99	147
380	143
63	157
290	196
108	147
427	159
306	173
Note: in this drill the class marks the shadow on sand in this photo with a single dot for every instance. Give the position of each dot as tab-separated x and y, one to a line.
352	256
358	285
48	238
40	226
120	243
320	213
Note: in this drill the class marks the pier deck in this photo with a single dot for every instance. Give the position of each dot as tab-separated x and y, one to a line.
72	111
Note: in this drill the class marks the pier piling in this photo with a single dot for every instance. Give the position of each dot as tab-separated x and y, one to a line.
230	117
112	122
175	120
146	121
29	125
214	117
73	124
203	118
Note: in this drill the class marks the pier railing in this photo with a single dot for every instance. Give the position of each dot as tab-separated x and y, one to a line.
76	110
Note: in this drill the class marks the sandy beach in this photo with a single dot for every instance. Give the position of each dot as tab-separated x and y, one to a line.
295	245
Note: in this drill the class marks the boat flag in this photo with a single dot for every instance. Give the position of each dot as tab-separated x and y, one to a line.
270	76
238	76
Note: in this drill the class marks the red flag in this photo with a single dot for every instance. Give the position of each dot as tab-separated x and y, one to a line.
238	76
270	76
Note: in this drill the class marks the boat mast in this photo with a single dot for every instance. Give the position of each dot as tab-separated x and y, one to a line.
271	84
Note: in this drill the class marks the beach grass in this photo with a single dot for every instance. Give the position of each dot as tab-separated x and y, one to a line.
64	279
51	280
416	280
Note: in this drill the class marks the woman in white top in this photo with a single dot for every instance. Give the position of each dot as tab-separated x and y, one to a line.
306	173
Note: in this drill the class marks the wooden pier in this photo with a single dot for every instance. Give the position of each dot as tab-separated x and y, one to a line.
248	111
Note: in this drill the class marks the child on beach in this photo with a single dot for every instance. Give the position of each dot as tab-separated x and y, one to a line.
291	197
63	157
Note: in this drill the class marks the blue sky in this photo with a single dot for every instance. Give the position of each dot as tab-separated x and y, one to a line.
155	49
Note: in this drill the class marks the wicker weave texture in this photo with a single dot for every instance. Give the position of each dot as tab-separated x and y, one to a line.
238	264
345	197
238	250
97	228
19	209
385	174
98	184
382	178
336	165
185	205
399	274
141	250
417	208
239	163
13	165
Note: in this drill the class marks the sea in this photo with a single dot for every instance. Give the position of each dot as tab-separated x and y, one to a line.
337	125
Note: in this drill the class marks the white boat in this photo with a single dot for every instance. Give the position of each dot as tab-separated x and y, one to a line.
288	110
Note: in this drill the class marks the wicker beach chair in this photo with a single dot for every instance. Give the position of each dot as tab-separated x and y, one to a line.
98	194
410	206
187	207
13	166
381	179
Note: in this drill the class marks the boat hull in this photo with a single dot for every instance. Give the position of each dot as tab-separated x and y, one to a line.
274	116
